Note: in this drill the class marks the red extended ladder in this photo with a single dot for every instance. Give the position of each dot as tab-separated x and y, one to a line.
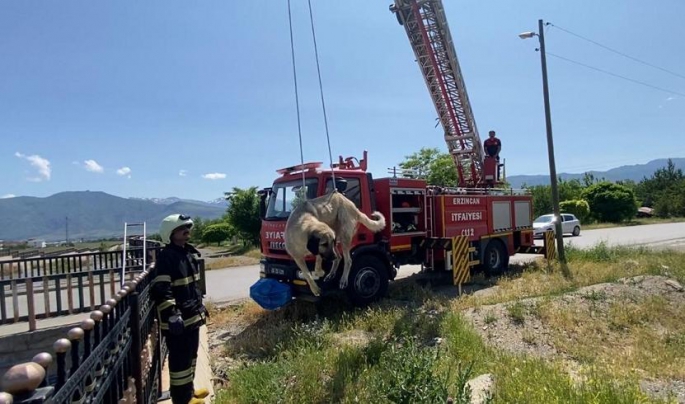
426	26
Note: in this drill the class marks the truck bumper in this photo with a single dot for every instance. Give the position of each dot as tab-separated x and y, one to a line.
289	273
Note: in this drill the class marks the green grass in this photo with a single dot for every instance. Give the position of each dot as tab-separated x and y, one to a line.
417	347
516	312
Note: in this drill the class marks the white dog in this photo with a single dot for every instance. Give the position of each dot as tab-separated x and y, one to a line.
315	225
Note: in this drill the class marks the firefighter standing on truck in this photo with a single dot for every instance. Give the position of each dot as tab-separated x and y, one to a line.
179	306
492	145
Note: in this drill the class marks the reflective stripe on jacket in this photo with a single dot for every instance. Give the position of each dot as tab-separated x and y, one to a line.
175	287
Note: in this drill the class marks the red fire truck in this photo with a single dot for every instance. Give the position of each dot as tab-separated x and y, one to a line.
422	220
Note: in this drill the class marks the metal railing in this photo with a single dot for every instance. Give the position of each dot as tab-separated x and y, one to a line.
115	356
35	289
41	266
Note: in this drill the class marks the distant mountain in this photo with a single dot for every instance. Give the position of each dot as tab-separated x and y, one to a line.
168	201
90	215
634	172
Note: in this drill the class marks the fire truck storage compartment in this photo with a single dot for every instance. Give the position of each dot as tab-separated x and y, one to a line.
403	201
501	215
522	211
406	208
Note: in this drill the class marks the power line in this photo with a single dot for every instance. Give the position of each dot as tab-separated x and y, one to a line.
616	75
617	52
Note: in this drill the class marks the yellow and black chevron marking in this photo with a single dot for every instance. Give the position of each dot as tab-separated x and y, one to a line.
443	243
460	260
550	248
530	250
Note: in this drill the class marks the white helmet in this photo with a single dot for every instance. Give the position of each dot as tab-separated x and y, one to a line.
171	223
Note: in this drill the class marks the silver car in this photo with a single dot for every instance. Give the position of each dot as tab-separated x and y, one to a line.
569	224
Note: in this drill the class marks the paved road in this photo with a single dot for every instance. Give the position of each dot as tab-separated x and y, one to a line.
229	284
653	234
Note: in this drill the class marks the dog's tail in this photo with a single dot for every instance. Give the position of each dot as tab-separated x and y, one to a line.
373	225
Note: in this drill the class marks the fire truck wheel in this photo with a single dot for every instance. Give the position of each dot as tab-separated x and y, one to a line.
495	258
368	280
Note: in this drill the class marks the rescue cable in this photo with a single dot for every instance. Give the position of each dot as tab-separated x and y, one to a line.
323	104
297	99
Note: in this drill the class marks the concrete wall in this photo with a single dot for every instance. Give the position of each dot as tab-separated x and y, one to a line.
21	347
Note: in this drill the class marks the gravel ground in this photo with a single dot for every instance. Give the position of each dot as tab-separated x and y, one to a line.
514	327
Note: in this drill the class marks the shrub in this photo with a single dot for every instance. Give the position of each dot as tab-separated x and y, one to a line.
610	202
579	207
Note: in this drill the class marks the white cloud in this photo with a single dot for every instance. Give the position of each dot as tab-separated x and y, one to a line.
183	173
93	166
670	98
124	171
7	196
41	164
214	176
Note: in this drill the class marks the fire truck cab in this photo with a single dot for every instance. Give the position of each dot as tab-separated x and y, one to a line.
421	220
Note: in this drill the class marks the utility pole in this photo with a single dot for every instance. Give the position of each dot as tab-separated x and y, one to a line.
550	148
66	219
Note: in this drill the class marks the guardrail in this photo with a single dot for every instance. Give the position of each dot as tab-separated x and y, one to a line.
35	289
41	266
57	294
115	356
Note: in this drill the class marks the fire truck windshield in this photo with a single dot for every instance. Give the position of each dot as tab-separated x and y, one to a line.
285	196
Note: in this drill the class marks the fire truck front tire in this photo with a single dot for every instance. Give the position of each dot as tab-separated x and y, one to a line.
495	258
368	280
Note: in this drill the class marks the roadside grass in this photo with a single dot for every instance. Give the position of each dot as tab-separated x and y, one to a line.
646	334
415	345
238	255
587	266
638	221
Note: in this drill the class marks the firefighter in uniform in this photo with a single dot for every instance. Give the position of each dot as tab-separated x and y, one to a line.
179	306
492	145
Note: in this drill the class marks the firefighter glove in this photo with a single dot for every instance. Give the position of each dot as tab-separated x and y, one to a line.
176	324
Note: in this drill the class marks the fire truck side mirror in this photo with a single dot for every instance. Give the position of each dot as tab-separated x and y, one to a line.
263	196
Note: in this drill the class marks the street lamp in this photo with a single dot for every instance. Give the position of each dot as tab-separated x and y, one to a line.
550	143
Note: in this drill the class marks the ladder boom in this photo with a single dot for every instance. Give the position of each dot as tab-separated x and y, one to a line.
426	26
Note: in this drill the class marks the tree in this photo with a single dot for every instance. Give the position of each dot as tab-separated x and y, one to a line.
569	190
671	201
610	202
579	207
198	230
542	194
589	179
542	199
243	213
216	233
663	184
437	168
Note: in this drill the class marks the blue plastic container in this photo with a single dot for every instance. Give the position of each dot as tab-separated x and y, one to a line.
271	294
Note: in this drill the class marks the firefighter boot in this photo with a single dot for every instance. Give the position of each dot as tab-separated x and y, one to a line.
200	393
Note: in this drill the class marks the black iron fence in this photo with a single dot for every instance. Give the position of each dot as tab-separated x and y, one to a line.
115	356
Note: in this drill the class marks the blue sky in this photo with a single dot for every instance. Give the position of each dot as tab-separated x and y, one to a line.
153	88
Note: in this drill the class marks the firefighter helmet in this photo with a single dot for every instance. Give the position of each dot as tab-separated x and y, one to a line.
171	223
